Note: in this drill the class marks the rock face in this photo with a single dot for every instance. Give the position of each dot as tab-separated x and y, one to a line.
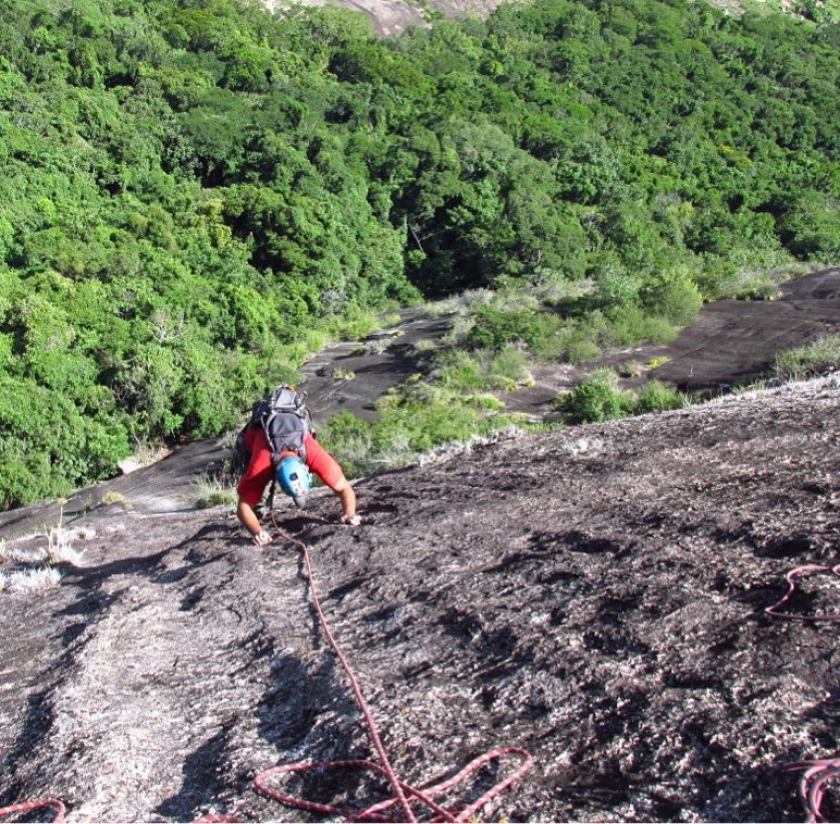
595	596
732	342
393	16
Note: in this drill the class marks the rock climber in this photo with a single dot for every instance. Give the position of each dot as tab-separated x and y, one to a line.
278	447
261	471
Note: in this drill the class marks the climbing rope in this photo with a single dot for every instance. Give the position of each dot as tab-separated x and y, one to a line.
808	569
817	772
404	794
374	813
811	786
59	808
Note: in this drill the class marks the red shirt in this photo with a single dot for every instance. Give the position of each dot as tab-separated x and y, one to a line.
259	472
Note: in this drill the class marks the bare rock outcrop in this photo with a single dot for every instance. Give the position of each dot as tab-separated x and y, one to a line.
596	596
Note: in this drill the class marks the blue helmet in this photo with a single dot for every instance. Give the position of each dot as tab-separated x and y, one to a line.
294	479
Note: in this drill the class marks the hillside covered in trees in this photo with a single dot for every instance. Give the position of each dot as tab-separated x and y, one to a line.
194	195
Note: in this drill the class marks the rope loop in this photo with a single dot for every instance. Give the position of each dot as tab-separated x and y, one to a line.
817	772
811	791
435	788
404	794
807	569
27	806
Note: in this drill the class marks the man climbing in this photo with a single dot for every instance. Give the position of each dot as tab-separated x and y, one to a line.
278	447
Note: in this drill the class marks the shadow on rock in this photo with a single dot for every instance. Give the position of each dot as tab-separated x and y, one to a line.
313	710
37	726
204	780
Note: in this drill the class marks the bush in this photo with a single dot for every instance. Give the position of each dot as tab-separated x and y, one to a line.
355	324
483	370
656	397
48	446
210	492
494	329
458	332
462	370
676	299
580	348
404	431
821	356
616	286
597	399
749	285
631	325
511	365
575	343
488	402
350	440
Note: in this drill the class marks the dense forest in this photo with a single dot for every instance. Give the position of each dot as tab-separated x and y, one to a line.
194	195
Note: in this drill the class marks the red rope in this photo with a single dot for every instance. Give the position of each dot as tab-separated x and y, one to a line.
808	569
811	792
404	794
59	808
426	795
817	772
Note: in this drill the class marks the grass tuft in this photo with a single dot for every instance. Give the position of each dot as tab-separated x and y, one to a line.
822	355
59	548
29	580
211	491
40	562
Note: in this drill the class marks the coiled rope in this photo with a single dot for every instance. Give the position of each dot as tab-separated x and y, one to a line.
811	791
808	569
59	808
817	772
404	794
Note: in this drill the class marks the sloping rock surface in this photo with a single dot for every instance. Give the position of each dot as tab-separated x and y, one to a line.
393	16
731	342
596	596
353	376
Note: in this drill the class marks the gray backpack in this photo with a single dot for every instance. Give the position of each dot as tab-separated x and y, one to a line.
286	422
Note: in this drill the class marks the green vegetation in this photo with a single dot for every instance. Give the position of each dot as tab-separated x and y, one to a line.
821	356
657	397
598	399
483	370
214	491
113	498
409	426
194	196
498	338
818	11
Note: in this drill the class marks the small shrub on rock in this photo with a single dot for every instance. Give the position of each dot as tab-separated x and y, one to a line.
210	492
657	397
580	348
675	298
494	328
631	325
598	399
820	356
405	430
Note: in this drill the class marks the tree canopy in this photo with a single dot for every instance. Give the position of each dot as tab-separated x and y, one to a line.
189	188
